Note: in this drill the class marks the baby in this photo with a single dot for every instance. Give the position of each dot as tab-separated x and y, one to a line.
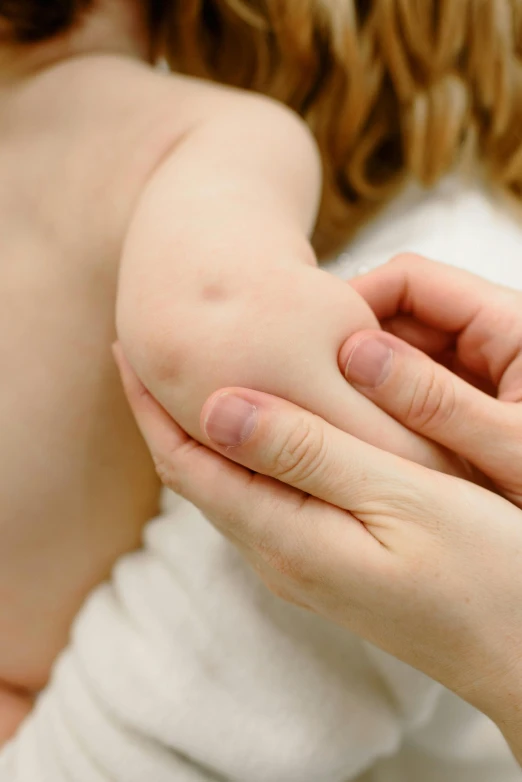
187	208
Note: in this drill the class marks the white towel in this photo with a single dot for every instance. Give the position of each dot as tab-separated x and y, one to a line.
185	668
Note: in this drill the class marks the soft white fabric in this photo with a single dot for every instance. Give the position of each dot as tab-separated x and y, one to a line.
186	669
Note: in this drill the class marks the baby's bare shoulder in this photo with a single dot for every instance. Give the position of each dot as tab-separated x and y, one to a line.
106	100
118	118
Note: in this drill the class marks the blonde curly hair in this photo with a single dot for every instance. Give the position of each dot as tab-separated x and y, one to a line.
390	88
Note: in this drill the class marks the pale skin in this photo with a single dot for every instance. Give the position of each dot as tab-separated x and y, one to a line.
76	483
425	565
209	196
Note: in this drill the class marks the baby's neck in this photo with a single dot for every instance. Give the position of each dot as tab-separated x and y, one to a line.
113	27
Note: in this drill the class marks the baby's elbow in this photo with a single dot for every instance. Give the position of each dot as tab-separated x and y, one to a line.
157	349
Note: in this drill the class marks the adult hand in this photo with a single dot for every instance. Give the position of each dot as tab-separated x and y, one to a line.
424	565
465	323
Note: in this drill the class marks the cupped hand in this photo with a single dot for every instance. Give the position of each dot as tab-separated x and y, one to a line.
425	565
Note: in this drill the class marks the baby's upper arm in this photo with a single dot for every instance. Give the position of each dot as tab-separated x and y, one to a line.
217	285
233	200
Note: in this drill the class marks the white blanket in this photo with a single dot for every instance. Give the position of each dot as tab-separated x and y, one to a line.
184	668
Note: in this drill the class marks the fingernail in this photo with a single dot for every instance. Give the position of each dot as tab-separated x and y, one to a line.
369	363
230	421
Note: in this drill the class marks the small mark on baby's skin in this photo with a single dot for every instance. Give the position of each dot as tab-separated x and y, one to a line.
214	292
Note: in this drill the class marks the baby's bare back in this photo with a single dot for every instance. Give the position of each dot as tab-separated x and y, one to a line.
76	482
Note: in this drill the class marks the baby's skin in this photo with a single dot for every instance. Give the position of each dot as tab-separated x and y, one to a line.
186	206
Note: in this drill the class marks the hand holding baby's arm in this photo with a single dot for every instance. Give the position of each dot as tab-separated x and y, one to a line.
219	285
